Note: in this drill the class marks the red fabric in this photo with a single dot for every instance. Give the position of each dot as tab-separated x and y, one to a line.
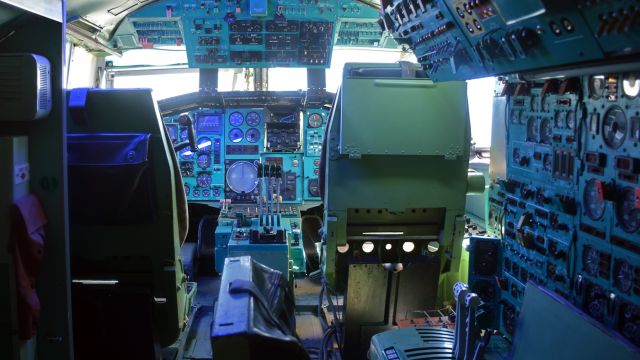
27	243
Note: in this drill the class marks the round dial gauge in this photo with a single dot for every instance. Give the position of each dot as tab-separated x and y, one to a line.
203	180
614	127
184	135
236	119
597	302
623	276
597	86
242	177
593	199
544	102
591	260
631	85
534	103
515	117
253	135
545	131
627	212
558	120
204	161
186	154
532	129
547	162
204	144
253	119
236	135
173	133
516	156
315	120
187	189
186	168
571	120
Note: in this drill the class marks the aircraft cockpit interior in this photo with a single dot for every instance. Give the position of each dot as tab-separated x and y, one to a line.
319	179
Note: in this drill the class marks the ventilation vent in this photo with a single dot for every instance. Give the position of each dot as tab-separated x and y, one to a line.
25	87
44	88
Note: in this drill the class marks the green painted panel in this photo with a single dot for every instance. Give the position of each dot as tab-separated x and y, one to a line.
424	120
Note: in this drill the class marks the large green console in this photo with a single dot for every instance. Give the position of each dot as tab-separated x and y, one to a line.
395	184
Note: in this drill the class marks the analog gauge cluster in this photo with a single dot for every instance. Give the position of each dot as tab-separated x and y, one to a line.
573	186
203	158
315	123
201	170
614	111
245	127
613	153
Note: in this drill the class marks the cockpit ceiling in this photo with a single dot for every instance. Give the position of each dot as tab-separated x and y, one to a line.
98	20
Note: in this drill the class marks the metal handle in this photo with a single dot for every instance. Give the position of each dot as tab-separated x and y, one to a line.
404	83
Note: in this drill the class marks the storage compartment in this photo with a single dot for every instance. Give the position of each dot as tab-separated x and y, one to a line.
109	178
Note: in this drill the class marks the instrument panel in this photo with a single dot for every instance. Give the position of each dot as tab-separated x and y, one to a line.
569	210
460	40
248	33
315	123
233	135
244	131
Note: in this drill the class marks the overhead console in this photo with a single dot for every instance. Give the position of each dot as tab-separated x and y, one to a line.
236	131
251	33
459	40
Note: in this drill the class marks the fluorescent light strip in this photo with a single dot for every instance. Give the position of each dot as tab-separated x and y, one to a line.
383	233
95	282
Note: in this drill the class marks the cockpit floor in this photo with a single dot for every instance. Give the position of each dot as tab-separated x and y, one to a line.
196	343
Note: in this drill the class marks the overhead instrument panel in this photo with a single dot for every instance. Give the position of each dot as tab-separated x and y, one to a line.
458	39
228	34
362	33
430	30
614	25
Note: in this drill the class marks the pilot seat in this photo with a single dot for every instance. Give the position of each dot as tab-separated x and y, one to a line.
128	219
